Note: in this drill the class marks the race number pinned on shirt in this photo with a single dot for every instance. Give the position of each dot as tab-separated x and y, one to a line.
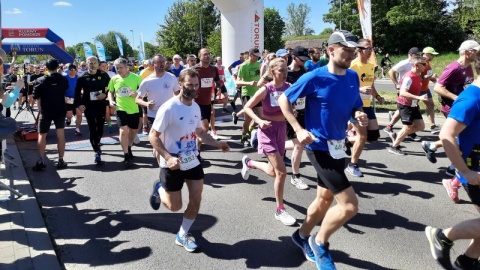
188	160
93	95
336	148
300	103
69	100
206	82
274	98
124	91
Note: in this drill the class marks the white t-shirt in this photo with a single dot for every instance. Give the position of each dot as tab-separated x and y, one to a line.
158	89
177	123
402	67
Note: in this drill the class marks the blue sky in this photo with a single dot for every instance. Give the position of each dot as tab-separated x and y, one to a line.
80	20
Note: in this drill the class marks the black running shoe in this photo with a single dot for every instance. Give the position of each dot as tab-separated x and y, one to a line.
440	249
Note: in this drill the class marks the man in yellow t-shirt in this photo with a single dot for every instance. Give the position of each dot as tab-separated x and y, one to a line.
124	85
366	75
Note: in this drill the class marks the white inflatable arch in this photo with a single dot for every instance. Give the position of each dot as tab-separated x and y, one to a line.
242	27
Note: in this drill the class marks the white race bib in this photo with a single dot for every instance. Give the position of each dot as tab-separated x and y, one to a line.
124	91
414	103
69	100
336	148
300	103
93	95
206	82
188	160
274	99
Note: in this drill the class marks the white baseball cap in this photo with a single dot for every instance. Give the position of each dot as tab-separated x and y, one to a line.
469	45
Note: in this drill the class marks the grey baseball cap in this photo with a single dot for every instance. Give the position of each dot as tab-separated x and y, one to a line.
345	38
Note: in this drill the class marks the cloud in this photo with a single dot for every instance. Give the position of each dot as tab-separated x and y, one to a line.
62	4
14	11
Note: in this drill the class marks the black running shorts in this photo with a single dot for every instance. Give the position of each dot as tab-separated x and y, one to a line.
172	180
330	171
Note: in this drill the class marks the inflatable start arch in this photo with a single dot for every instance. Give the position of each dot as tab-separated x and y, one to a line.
242	27
55	48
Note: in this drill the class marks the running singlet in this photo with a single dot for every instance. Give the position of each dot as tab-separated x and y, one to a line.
366	75
270	104
122	87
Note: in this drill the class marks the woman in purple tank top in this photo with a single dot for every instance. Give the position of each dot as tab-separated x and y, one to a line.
271	134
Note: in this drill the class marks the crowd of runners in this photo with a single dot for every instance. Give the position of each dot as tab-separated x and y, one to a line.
317	100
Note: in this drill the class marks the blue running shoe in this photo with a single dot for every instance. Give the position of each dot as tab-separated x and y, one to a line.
98	158
303	244
322	255
187	241
155	197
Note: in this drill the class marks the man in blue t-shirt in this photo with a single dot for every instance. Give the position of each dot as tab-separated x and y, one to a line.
463	122
72	78
332	98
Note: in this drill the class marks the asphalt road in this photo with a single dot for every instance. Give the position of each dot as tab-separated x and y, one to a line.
387	85
99	216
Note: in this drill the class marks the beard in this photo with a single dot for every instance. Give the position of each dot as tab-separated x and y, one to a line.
188	93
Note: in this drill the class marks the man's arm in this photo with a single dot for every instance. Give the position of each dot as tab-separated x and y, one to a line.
442	91
207	139
393	76
157	144
241	82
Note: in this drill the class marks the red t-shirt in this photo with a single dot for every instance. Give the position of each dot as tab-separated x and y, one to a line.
413	83
207	78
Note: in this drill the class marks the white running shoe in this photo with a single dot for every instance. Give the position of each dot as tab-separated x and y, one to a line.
136	140
299	183
245	168
284	217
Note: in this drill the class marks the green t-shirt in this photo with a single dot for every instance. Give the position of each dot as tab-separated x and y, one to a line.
249	72
122	87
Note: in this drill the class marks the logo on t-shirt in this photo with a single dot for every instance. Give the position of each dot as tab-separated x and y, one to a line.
166	85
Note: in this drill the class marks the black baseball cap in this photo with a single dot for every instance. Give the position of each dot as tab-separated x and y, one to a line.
414	50
301	52
345	38
52	64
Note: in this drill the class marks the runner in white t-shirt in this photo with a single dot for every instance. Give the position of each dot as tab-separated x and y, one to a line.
173	135
159	87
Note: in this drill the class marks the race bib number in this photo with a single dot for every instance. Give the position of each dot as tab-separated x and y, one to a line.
206	82
414	103
274	99
188	161
93	95
336	148
69	100
300	104
124	91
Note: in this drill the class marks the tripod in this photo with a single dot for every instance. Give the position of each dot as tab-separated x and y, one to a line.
26	106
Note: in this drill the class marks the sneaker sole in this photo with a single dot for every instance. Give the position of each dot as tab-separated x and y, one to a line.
304	253
430	241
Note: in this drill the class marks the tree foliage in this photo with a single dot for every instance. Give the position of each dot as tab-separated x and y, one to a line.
297	22
111	48
275	26
467	14
187	26
398	25
214	42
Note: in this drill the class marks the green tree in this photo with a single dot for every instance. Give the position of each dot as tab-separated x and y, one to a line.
467	14
187	26
297	22
110	43
150	50
398	25
276	29
214	42
326	32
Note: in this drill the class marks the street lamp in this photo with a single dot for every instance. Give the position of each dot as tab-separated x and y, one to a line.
133	43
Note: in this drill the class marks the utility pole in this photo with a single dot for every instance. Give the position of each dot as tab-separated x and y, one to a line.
340	15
